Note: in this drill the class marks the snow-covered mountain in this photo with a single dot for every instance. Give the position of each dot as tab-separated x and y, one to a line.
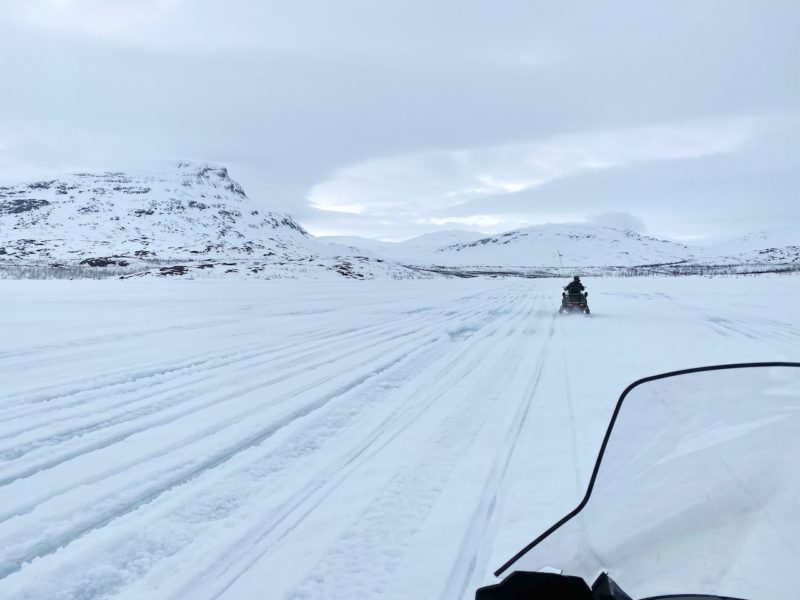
780	245
193	212
578	246
195	219
553	246
536	246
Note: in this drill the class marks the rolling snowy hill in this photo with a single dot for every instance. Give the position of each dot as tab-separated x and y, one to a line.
194	214
780	245
578	245
553	248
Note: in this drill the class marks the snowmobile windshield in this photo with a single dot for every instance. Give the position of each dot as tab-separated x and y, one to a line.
696	490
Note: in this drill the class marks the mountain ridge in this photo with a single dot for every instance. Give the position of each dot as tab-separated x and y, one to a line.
195	219
192	213
583	245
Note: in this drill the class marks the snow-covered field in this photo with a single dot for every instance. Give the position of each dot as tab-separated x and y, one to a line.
336	439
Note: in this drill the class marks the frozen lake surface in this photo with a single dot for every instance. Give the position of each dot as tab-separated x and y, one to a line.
298	440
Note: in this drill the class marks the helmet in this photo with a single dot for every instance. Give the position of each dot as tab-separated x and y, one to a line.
576	278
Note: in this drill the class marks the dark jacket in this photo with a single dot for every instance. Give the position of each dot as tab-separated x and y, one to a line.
574	287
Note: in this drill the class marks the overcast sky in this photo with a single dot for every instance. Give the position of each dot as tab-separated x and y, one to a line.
678	118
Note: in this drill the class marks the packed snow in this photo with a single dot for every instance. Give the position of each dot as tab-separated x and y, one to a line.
325	439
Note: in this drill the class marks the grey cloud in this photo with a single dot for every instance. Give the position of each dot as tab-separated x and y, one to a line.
289	94
618	220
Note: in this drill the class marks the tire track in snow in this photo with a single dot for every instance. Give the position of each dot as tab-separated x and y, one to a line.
758	329
33	397
98	402
116	338
245	552
369	551
266	313
382	339
336	337
320	347
483	523
214	401
311	497
45	549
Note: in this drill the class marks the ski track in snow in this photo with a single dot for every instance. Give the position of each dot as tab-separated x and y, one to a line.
297	440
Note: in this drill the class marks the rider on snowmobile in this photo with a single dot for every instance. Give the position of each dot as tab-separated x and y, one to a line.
575	286
573	290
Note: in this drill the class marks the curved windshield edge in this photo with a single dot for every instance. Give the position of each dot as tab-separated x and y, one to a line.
601	453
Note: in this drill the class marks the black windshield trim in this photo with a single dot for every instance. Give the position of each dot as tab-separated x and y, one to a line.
600	454
692	597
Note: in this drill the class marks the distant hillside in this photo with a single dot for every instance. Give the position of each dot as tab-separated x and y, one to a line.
556	249
776	246
577	245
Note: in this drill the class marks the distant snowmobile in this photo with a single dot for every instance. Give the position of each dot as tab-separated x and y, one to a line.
574	298
696	491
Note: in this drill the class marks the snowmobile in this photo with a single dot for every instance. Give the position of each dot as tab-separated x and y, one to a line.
574	302
695	494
